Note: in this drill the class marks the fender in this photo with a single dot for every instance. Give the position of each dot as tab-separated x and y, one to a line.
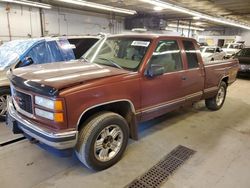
105	103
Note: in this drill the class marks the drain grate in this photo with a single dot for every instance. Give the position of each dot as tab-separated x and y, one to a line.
159	173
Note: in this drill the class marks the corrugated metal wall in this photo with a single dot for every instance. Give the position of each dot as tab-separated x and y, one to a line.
24	22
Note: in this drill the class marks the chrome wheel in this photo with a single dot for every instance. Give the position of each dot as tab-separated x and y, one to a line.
3	104
220	96
108	143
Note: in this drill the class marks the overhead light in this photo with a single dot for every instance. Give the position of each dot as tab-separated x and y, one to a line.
169	29
140	30
198	23
196	18
196	14
28	3
186	27
99	6
158	8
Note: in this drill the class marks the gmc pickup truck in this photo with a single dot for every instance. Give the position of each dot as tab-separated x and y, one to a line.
94	104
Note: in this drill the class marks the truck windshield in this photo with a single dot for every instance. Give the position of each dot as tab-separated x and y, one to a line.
121	52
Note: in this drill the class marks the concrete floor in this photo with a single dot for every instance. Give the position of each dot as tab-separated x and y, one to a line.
220	138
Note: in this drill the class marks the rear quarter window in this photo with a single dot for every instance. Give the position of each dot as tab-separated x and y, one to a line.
192	59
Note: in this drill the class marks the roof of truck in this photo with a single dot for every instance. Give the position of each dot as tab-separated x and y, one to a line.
148	36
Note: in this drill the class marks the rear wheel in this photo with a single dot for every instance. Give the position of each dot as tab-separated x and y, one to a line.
216	102
102	141
4	93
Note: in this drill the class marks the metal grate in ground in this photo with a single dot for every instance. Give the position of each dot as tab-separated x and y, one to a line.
159	173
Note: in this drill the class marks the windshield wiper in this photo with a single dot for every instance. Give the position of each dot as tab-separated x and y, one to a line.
111	62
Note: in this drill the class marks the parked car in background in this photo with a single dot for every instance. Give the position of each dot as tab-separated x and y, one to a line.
212	53
244	59
94	104
203	44
232	48
21	53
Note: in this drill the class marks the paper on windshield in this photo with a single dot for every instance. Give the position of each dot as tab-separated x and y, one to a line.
140	43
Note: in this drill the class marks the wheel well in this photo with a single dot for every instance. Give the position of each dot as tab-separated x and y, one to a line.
123	108
225	79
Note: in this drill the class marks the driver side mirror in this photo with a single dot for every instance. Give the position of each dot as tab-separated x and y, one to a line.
26	62
155	70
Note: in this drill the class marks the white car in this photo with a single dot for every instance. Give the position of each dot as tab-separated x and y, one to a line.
212	53
232	48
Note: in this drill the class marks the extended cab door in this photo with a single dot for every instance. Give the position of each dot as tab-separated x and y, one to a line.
164	92
193	85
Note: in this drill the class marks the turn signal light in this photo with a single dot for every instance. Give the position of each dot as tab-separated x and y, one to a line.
58	105
58	117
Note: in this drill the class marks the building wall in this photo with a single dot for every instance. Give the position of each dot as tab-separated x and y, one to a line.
236	34
24	22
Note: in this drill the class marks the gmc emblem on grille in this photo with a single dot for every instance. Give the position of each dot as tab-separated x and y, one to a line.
19	100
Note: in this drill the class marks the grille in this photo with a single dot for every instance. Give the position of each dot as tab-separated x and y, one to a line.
159	173
23	100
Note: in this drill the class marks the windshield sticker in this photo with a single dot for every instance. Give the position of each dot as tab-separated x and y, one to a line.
140	43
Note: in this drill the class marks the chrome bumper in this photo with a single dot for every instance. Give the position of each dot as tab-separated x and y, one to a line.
60	140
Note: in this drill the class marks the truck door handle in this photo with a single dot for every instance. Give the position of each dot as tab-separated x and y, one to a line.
184	78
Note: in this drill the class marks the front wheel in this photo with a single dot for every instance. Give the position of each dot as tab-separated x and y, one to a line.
102	141
216	102
4	93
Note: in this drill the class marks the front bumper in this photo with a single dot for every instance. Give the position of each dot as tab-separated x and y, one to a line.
58	140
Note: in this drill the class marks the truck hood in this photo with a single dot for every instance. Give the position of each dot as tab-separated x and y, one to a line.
55	76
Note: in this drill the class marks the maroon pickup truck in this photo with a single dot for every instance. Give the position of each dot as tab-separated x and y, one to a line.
94	104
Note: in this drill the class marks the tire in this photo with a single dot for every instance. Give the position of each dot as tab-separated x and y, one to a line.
4	92
216	102
98	129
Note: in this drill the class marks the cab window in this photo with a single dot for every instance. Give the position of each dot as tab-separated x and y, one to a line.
192	59
167	54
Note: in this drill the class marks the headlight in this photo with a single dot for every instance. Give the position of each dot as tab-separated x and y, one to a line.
47	103
56	106
57	117
44	114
